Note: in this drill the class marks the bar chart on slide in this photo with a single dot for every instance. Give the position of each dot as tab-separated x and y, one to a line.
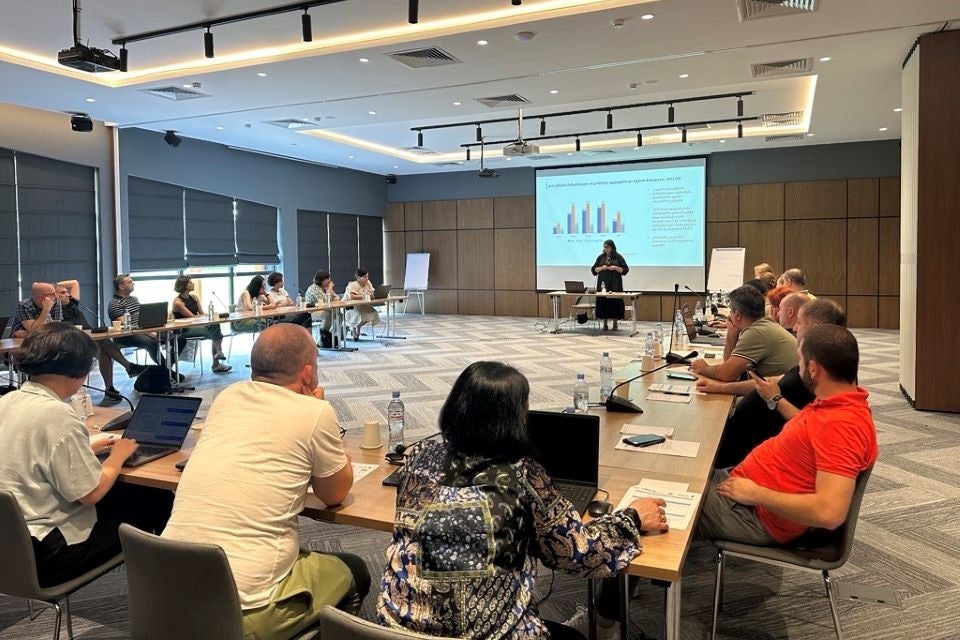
586	220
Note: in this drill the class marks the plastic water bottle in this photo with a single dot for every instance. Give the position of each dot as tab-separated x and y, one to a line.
648	345
299	302
78	402
606	376
256	308
698	313
396	414
127	323
679	330
603	287
581	395
211	314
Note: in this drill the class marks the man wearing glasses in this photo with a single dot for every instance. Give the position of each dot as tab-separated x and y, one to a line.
40	308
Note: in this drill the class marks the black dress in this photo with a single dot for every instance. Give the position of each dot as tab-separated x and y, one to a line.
610	308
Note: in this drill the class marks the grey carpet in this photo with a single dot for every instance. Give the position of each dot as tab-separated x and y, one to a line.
908	537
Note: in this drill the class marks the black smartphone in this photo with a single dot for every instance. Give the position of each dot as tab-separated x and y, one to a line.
644	440
681	375
752	371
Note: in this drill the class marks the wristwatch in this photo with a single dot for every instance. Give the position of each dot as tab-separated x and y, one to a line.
772	402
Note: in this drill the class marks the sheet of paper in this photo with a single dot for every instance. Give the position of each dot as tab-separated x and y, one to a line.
666	397
680	389
361	469
664	485
681	505
637	429
682	448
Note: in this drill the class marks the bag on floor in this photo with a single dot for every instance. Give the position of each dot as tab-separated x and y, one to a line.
155	379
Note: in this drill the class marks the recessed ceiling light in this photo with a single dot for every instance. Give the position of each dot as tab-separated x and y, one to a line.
482	43
554	92
457	103
261	74
650	82
508	159
723	142
372	113
647	16
187	85
364	60
569	153
810	135
90	99
219	128
351	157
825	59
897	109
882	129
684	76
396	166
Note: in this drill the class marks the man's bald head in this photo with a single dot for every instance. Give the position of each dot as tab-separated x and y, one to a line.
789	309
280	354
41	290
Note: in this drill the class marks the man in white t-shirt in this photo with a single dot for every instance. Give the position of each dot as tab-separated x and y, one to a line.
264	442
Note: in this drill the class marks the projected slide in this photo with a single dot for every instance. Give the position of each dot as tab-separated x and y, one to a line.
654	211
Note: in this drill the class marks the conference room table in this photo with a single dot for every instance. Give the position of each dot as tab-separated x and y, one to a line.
370	505
632	296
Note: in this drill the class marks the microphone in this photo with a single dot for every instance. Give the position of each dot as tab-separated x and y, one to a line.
622	405
400	451
217	298
120	421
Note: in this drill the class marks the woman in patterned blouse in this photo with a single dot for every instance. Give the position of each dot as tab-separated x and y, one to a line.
474	515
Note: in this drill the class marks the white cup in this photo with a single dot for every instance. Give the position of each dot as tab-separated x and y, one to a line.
621	392
371	435
117	325
78	327
79	405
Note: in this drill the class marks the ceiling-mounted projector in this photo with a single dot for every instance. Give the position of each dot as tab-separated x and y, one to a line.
86	58
520	148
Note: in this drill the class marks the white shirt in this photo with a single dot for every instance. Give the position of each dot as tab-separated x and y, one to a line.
247	480
279	297
47	463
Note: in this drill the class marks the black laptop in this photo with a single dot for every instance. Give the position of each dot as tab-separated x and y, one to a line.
160	424
381	292
568	447
712	339
152	315
574	286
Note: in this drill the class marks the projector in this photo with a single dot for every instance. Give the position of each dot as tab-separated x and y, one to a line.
520	148
84	58
488	173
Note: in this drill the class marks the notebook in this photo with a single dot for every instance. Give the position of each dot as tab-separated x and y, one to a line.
160	424
152	314
574	286
381	292
713	340
568	447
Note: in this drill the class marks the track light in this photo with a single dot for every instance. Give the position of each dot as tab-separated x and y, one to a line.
479	134
609	120
740	107
639	138
670	114
419	138
306	26
468	154
516	3
683	134
172	139
577	144
208	43
414	10
543	127
739	129
123	58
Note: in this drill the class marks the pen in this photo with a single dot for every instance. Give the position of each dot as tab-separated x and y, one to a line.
676	393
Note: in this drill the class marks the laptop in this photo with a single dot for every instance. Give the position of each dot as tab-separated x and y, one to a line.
710	340
160	424
568	447
381	292
574	286
152	314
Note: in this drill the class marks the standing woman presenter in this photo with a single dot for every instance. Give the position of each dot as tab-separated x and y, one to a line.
610	267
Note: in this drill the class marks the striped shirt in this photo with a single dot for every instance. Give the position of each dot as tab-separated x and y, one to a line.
28	310
118	306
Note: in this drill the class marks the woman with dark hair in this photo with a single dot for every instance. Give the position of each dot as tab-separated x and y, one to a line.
186	305
361	314
68	497
255	290
610	267
318	293
474	515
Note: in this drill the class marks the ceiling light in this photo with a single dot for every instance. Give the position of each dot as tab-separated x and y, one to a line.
419	138
569	153
740	107
577	144
639	139
372	113
219	128
413	11
172	139
261	74
508	159
516	3
457	103
810	135
683	135
609	120
723	142
364	60
882	129
479	134
543	127
350	157
618	23
671	114
554	92
90	99
123	58
208	43
396	166
683	76
897	109
524	36
647	16
739	129
468	153
482	43
825	59
306	27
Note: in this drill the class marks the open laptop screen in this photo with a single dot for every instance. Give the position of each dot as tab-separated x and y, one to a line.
566	444
162	420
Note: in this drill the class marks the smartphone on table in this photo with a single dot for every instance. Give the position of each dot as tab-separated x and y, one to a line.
644	440
681	375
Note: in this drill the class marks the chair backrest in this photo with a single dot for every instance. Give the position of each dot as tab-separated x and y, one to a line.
179	589
834	546
848	528
340	625
18	569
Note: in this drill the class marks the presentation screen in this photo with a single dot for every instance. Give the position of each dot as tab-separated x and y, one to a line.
655	212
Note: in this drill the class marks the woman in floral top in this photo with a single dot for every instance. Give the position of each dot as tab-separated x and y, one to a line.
474	515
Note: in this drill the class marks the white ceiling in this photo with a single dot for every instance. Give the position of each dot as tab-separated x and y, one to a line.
576	52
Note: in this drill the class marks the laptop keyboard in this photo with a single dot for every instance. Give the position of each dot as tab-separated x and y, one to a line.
147	450
577	494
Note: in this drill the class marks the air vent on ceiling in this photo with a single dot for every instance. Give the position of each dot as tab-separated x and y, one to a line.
446	164
421	151
598	152
786	119
501	101
781	67
419	58
786	138
540	156
293	124
175	93
694	127
756	9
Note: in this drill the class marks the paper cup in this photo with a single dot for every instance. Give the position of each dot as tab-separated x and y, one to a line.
117	325
622	392
371	435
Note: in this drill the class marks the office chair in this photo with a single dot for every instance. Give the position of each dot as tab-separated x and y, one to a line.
818	551
340	625
18	569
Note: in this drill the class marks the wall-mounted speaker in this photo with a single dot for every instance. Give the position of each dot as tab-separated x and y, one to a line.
391	179
81	123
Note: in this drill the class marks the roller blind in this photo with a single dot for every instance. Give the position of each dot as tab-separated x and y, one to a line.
9	270
256	233
208	229
155	224
344	257
370	230
312	252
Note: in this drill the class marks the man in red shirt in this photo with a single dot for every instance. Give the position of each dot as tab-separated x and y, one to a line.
803	478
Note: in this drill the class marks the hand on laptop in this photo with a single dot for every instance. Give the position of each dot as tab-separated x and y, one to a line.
653	515
123	448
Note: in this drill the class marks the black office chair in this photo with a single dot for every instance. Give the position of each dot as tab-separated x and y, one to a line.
18	569
819	551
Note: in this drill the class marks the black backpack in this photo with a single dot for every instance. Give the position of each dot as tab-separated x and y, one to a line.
155	379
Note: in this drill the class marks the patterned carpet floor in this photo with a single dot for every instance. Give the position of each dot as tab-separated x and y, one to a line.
908	536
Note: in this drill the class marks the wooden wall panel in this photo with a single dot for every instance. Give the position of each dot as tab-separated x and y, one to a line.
516	303
514	212
761	201
862	198
889	201
723	203
442	247
648	308
819	248
475	214
440	214
889	316
475	303
396	258
763	242
440	301
889	257
412	216
515	259
861	311
721	234
413	241
816	199
666	306
862	256
393	221
475	268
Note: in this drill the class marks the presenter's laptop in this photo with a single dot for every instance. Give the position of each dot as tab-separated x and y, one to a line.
691	327
152	315
574	286
381	292
160	424
568	447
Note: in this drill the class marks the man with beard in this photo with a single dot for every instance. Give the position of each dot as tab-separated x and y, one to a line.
804	477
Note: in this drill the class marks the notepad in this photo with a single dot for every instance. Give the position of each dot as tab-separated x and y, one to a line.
361	470
681	505
676	389
682	448
668	397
